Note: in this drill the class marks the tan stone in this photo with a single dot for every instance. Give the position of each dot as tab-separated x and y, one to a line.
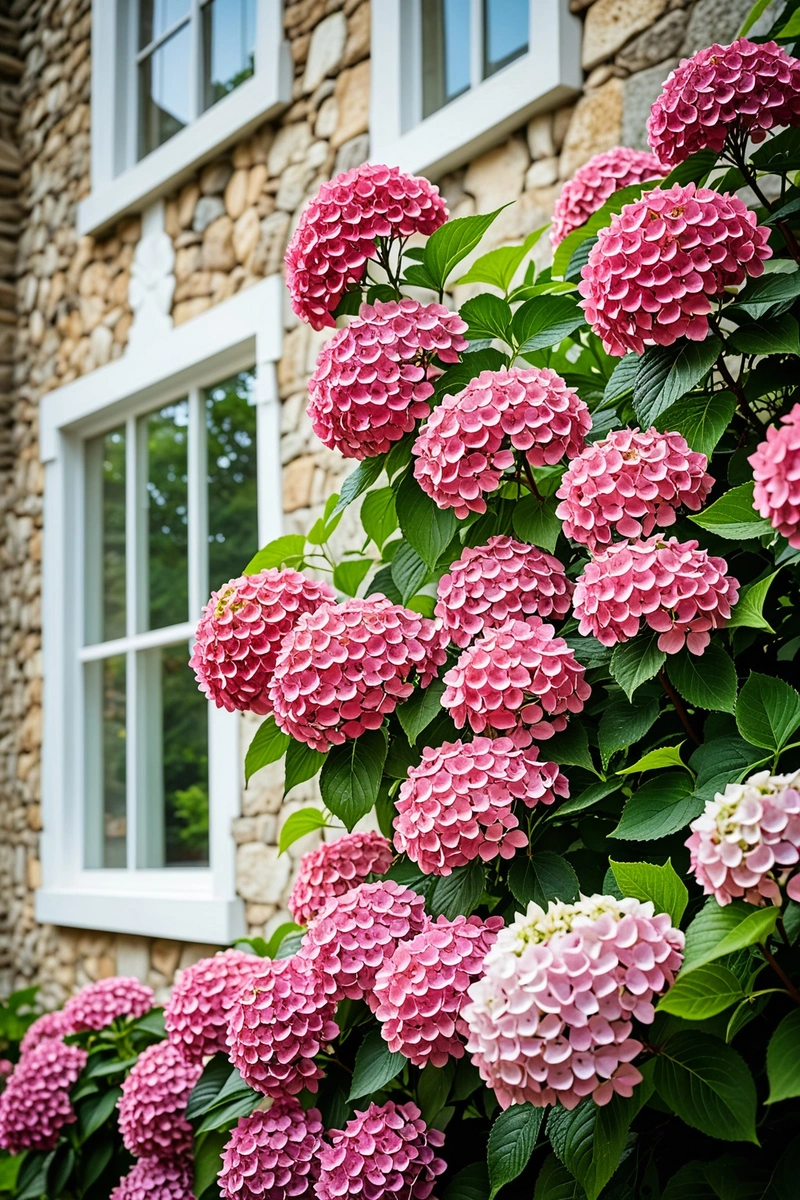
352	99
187	199
289	146
130	229
540	136
257	915
171	223
358	34
261	874
118	291
36	328
268	254
610	23
196	284
122	328
236	193
94	280
325	50
327	118
164	957
596	125
92	309
101	341
190	308
246	232
214	177
242	155
498	176
298	478
34	813
34	874
218	253
256	179
187	260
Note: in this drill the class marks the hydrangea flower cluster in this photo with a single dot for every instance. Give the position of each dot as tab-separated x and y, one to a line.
682	593
333	868
339	229
628	483
372	381
746	87
343	668
470	438
597	180
240	633
520	675
550	1020
387	1151
157	1179
776	470
272	1155
458	803
98	1004
196	1014
35	1104
498	582
153	1103
420	991
744	842
48	1025
654	270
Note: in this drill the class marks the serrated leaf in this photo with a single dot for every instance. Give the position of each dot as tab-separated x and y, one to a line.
351	776
298	824
702	993
358	481
656	760
708	1085
661	806
471	1183
302	763
668	372
749	609
425	527
692	170
349	574
623	724
536	523
420	709
378	515
458	893
268	745
452	242
587	798
634	662
554	1182
721	761
545	321
768	711
719	930
409	572
689	1183
783	1059
542	877
95	1111
375	1066
763	294
590	1139
701	419
283	551
648	881
772	335
621	381
707	680
570	747
733	516
487	317
499	266
511	1143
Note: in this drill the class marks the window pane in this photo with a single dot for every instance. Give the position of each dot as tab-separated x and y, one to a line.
164	92
105	537
506	32
106	834
445	52
166	437
229	42
232	495
157	16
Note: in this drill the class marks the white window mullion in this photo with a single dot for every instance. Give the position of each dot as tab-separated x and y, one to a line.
197	504
196	98
133	584
476	43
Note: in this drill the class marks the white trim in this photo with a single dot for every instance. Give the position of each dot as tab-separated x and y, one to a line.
184	918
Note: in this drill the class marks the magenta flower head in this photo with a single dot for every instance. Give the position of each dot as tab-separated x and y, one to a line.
157	1179
469	440
458	803
385	1153
372	381
152	1107
273	1155
420	991
98	1004
518	676
776	470
35	1104
48	1025
196	1014
681	592
597	180
279	1024
343	668
498	582
339	229
654	270
629	483
747	839
744	87
333	868
551	1018
240	632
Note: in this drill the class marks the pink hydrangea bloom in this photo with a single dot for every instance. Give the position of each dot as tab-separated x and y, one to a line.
550	1021
349	941
492	584
469	440
196	1014
273	1155
157	1179
420	991
338	231
776	470
655	269
372	381
240	633
48	1025
334	868
458	803
98	1004
520	675
278	1026
343	668
385	1153
35	1104
743	842
597	180
743	86
628	483
681	592
152	1106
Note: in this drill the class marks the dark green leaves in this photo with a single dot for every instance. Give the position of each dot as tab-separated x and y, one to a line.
427	528
668	372
701	419
409	572
623	724
721	761
768	711
487	317
783	1059
420	709
351	776
749	610
775	335
451	243
458	893
634	662
717	931
302	763
536	523
703	993
708	1086
763	294
378	515
375	1066
589	1140
511	1142
499	266
220	1096
358	481
647	881
544	321
268	745
542	877
661	806
733	516
708	681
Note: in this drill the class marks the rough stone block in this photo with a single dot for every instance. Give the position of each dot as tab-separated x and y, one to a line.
610	24
595	126
640	92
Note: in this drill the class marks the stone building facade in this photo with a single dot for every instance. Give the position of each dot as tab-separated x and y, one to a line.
68	302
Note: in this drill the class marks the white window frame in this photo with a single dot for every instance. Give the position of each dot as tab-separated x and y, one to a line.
120	185
188	904
547	75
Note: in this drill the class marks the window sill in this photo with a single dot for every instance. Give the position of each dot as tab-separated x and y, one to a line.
185	915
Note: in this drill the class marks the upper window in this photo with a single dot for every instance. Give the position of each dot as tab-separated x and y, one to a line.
463	44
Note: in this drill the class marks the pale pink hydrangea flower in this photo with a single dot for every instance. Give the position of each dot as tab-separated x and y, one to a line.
595	182
333	868
152	1107
551	1019
48	1025
372	381
629	483
776	470
157	1179
338	231
196	1014
469	440
457	804
385	1153
498	582
273	1155
420	990
680	591
241	630
655	269
345	667
746	87
100	1003
520	675
35	1104
747	838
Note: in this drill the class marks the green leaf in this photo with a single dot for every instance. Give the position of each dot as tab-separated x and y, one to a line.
702	993
660	807
458	893
322	528
668	372
536	523
434	1088
701	419
590	1140
719	930
763	294
768	711
9	1170
733	516
452	242
302	763
375	1066
570	748
545	321
749	610
634	662
708	1085
268	745
719	762
283	551
382	583
783	1059
409	572
692	170
554	1182
425	527
647	881
542	877
751	18
358	481
597	221
456	377
349	574
499	267
706	681
420	709
623	724
351	776
778	335
298	824
587	798
205	1094
95	1110
655	760
471	1183
32	1180
511	1143
621	381
487	317
206	1159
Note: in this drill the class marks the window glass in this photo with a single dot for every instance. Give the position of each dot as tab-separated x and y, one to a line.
164	103
232	494
164	446
505	32
157	16
229	42
106	760
446	36
105	507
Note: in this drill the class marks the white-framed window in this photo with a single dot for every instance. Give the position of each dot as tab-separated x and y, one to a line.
162	475
173	83
450	78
